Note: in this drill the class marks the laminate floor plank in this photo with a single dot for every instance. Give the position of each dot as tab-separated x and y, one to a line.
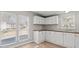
41	45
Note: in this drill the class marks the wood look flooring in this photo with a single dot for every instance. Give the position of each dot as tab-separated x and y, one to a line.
41	45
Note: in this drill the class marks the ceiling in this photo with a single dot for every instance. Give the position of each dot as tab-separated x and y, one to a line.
48	13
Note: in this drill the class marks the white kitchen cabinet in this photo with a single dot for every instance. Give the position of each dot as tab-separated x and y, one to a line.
69	40
48	36
54	37
58	38
52	20
44	21
39	36
76	40
42	34
38	20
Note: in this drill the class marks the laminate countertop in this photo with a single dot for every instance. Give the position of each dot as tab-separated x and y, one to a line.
59	31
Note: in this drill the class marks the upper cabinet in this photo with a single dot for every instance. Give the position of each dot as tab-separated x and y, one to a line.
44	21
38	20
52	20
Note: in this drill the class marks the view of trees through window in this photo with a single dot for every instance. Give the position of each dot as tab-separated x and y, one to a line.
10	24
23	27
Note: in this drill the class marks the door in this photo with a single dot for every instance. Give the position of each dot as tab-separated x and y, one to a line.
23	28
8	22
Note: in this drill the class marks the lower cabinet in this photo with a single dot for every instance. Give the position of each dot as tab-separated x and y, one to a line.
76	40
54	37
63	39
58	38
39	36
48	36
69	40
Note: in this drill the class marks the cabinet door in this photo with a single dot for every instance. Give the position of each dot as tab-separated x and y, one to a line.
44	35
36	34
41	36
69	40
48	36
77	40
52	37
36	20
52	20
55	20
58	38
48	20
42	20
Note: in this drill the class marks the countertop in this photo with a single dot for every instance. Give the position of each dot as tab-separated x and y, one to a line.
59	31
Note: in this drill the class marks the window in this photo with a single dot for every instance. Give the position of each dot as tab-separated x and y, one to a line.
13	28
68	22
7	28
